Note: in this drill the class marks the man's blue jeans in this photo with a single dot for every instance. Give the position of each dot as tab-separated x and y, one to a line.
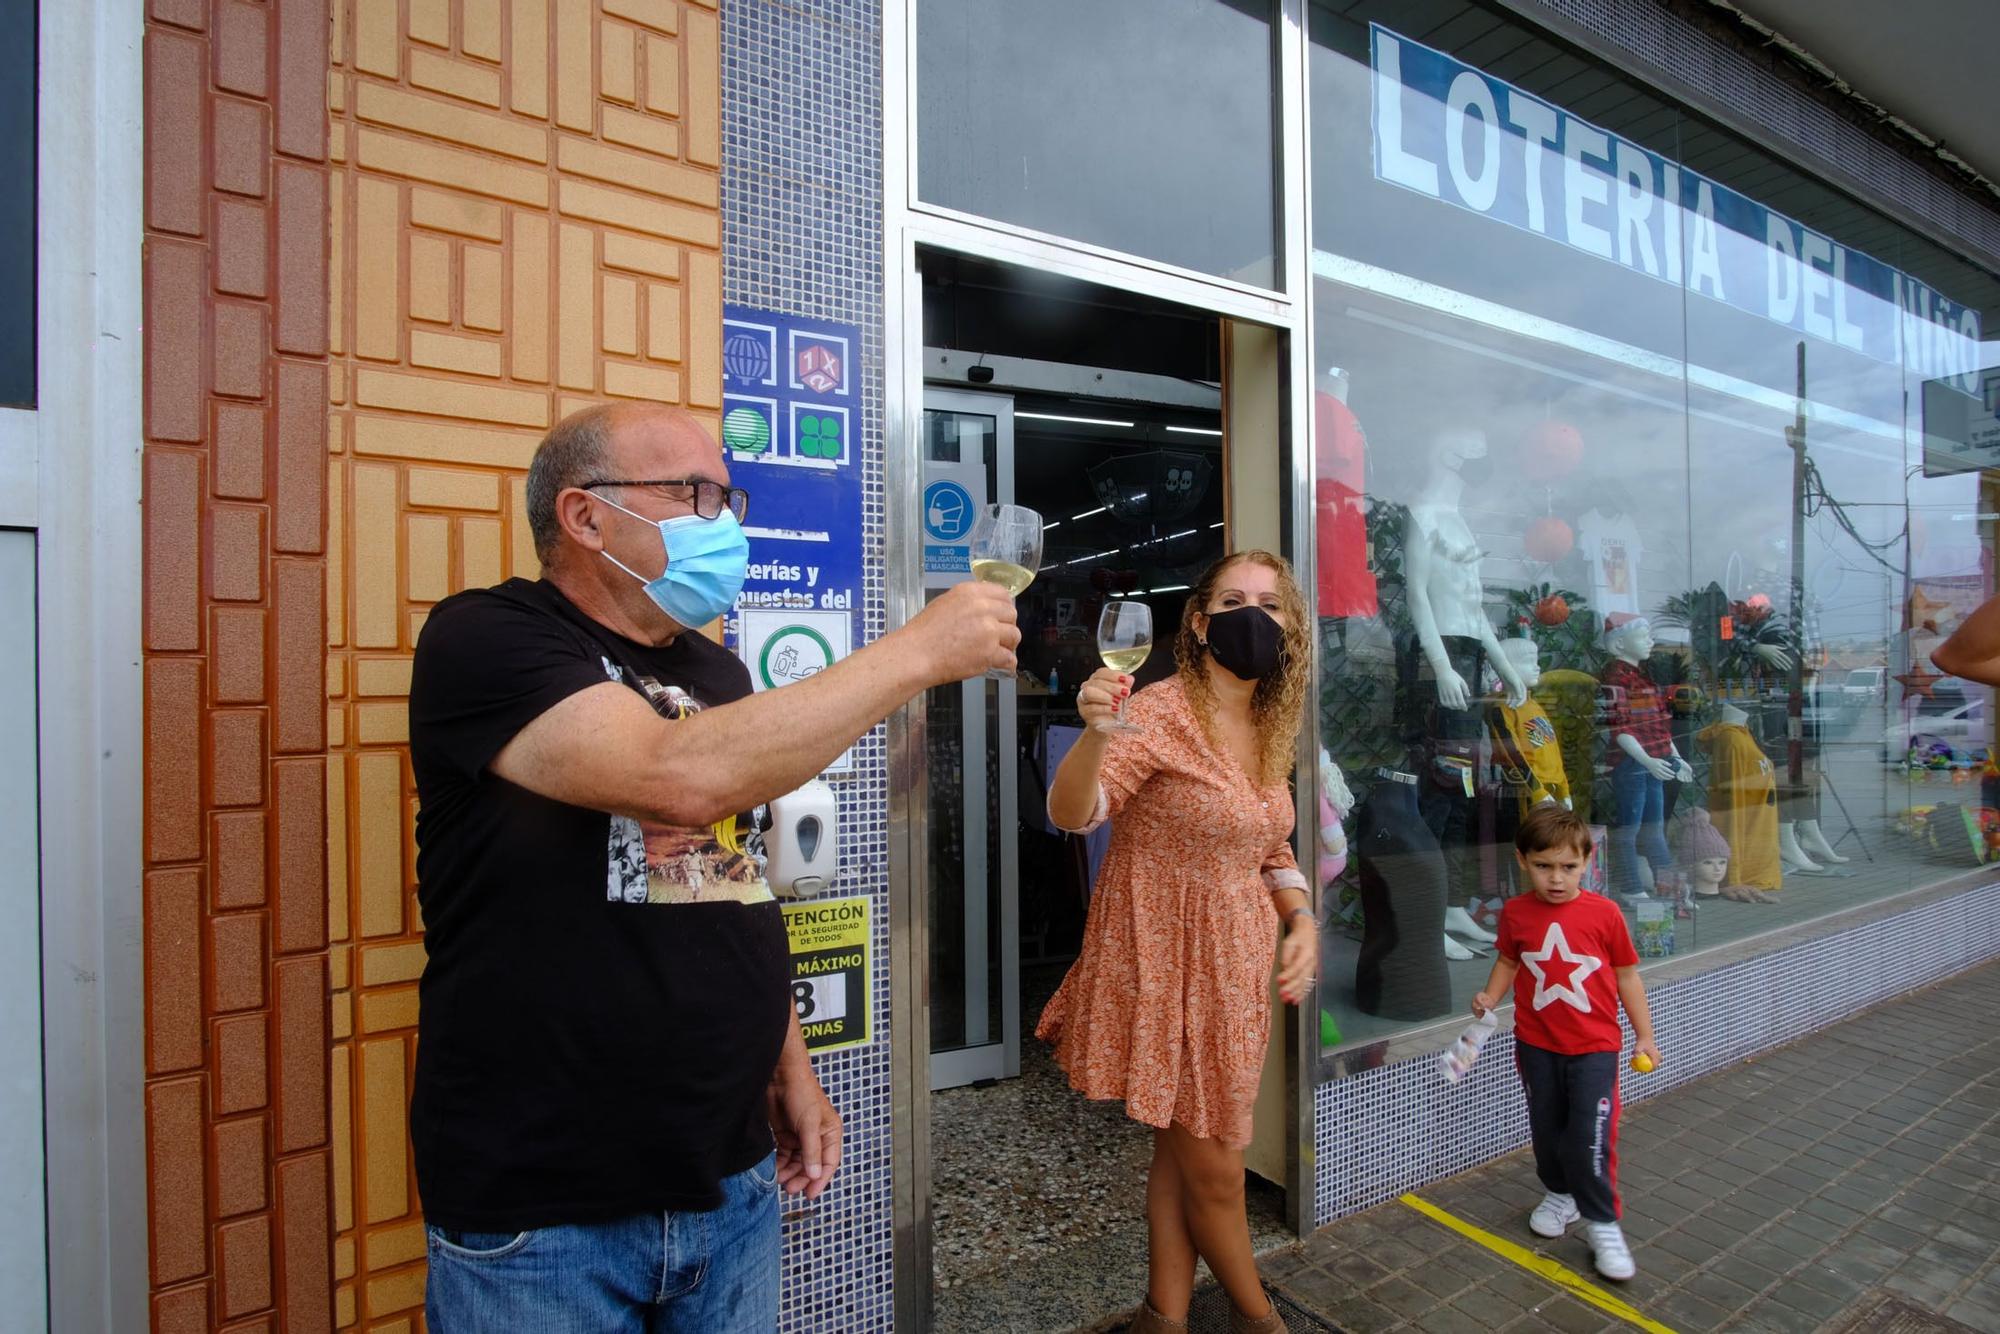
1638	827
674	1273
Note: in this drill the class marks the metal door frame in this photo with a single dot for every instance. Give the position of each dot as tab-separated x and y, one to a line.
986	1058
70	471
910	226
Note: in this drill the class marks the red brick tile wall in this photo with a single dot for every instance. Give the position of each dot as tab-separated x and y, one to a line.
238	1030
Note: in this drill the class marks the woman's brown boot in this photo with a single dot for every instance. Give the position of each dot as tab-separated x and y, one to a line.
1269	1323
1149	1321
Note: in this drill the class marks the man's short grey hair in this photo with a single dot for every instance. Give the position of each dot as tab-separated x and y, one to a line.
578	450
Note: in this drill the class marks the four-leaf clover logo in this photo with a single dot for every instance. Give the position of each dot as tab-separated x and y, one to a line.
819	436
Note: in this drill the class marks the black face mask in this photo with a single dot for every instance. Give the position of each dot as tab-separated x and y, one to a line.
1246	641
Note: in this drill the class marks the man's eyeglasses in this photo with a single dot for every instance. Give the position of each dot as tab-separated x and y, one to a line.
709	497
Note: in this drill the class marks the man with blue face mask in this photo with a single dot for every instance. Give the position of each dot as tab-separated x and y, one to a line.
611	1087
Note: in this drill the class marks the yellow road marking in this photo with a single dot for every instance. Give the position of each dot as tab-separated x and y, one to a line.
1542	1267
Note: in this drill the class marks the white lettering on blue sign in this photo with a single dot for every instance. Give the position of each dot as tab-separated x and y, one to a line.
1457	134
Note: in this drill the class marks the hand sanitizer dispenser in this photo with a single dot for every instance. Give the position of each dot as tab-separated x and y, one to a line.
800	851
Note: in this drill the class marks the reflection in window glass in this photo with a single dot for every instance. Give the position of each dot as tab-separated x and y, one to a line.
1140	125
1623	499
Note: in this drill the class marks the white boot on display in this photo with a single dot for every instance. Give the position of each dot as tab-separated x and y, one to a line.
1454	950
1791	854
1812	841
1459	922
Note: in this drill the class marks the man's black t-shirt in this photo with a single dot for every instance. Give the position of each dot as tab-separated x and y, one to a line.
605	1000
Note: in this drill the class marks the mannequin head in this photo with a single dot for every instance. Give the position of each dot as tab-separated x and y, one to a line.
1629	638
1708	874
1453	447
1526	656
1700	848
1332	380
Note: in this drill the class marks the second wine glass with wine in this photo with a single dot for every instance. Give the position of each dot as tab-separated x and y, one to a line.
1124	641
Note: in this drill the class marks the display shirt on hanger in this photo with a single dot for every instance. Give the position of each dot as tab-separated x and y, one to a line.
1611	544
1742	801
1346	584
1528	753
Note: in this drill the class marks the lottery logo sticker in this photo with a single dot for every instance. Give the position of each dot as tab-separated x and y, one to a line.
792	654
830	984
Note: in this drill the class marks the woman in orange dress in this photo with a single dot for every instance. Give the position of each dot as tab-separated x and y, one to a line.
1168	1005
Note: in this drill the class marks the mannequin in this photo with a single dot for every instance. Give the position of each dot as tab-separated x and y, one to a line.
1705	855
1643	759
1742	790
1447	604
1526	738
1441	563
1400	973
1812	843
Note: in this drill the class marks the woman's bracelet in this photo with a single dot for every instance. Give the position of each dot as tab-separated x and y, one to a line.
1306	913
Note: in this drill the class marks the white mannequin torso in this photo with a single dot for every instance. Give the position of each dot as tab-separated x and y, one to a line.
1452	584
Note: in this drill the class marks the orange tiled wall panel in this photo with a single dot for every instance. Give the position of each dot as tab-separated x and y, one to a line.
236	1099
525	218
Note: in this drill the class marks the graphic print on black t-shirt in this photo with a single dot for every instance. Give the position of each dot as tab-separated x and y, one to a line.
660	863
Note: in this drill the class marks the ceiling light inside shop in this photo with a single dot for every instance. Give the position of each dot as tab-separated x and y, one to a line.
1193	430
1080	421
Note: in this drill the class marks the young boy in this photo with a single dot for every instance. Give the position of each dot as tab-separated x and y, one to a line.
1569	958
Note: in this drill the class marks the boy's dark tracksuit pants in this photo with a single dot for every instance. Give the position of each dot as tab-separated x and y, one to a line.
1573	1118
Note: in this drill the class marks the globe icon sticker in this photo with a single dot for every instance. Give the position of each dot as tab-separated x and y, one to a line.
746	431
747	356
947	511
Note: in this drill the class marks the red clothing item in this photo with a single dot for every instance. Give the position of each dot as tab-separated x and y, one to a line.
1346	584
1566	994
1637	707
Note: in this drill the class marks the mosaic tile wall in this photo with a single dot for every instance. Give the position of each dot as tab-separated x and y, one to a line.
1392	1129
802	235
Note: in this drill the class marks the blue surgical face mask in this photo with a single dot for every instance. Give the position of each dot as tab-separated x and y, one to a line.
706	562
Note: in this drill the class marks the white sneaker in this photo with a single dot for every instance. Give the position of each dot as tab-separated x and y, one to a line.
1609	1252
1553	1215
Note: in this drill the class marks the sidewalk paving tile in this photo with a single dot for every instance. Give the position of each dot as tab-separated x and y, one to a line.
1771	1198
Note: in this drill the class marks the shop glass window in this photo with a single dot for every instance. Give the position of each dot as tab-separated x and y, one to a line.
1144	126
17	204
1613	404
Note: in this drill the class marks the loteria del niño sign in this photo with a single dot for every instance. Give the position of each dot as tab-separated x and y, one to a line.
1455	133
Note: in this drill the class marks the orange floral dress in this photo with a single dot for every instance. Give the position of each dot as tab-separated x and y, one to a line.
1168	1006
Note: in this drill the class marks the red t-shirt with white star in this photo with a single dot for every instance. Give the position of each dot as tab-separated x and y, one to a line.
1566	994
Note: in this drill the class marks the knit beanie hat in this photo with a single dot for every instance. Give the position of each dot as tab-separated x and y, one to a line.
1696	838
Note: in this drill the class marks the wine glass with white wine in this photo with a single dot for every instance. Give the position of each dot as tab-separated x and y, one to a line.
1006	549
1124	639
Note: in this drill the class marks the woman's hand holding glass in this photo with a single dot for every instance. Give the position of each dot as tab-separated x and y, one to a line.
1124	639
1099	697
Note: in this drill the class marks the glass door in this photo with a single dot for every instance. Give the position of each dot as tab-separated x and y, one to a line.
972	867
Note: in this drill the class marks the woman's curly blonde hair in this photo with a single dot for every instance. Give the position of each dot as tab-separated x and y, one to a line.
1278	706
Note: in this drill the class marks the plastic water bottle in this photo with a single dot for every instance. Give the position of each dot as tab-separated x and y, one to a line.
1464	1049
